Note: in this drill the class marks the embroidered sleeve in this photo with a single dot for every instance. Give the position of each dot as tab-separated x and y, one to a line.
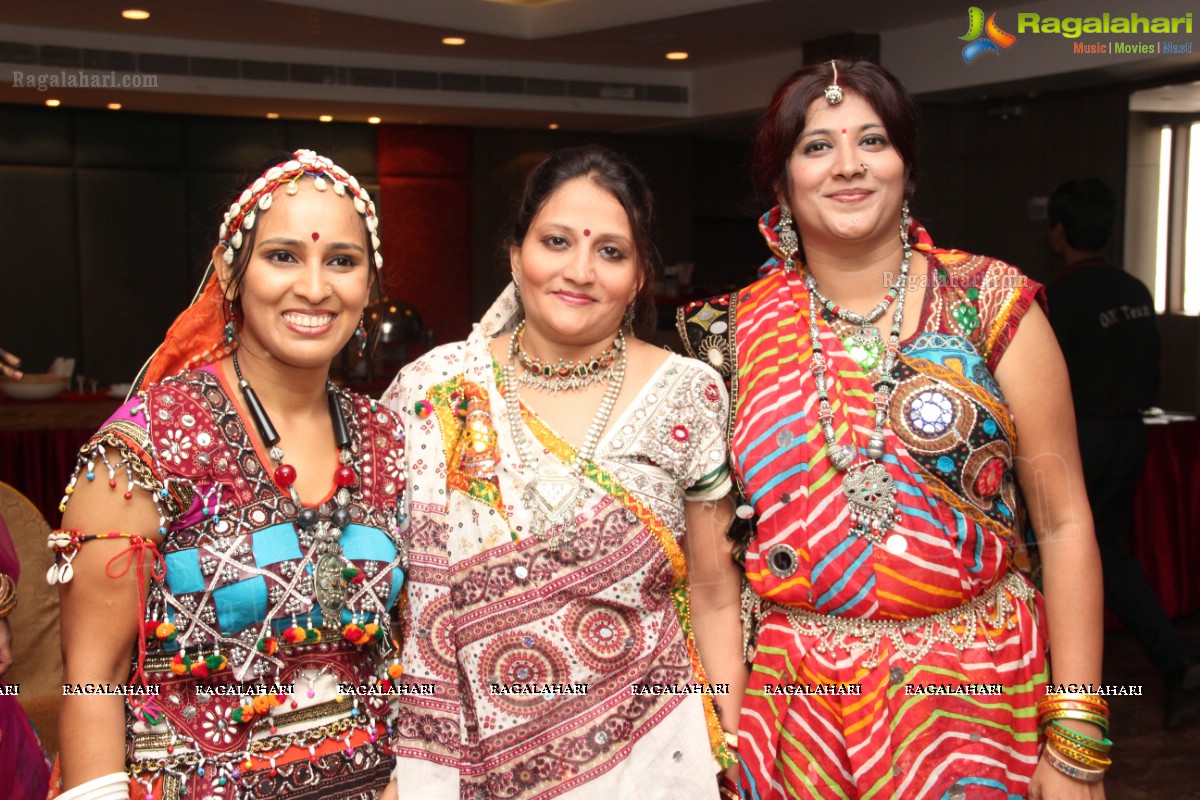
1014	293
707	330
703	433
983	300
122	453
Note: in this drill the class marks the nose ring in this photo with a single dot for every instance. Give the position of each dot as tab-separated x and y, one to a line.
864	166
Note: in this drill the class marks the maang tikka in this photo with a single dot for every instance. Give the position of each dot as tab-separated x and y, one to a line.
833	92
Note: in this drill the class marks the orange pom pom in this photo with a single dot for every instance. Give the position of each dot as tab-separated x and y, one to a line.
395	670
262	703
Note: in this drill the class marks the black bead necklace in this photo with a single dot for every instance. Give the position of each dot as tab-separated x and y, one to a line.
324	530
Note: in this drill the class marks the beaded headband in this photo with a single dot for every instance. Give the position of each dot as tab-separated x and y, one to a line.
258	197
833	92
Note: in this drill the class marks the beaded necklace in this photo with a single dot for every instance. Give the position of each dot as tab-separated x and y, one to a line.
558	491
316	527
565	375
870	491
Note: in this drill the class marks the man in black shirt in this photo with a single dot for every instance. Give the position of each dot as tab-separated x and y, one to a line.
1104	320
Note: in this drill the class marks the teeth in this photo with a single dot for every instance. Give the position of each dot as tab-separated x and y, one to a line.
308	320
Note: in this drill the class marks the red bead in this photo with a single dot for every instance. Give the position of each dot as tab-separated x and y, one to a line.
345	476
285	475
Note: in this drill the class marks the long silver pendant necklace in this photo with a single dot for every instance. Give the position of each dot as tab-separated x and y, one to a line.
869	490
319	528
558	491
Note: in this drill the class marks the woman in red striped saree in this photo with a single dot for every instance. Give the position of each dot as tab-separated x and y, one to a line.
880	386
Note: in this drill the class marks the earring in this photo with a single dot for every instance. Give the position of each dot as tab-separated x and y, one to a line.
789	244
905	222
517	291
360	336
630	315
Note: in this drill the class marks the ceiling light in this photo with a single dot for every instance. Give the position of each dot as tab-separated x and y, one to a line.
325	118
454	41
113	106
272	115
135	14
374	120
677	55
53	103
553	126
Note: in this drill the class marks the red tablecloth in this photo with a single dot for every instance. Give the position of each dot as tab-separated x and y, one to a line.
1167	516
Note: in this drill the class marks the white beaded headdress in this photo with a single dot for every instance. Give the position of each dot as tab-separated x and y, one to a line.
324	173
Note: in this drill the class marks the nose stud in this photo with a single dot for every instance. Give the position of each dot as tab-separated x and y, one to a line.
864	166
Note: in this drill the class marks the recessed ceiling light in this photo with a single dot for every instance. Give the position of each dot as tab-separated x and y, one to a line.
135	14
53	103
272	115
677	55
325	118
553	126
374	120
454	41
113	106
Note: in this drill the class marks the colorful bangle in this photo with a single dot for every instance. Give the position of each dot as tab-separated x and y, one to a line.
1083	716
1104	744
8	595
1083	758
1070	748
1070	770
1095	701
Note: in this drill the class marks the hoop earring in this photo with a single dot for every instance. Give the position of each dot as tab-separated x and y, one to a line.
789	243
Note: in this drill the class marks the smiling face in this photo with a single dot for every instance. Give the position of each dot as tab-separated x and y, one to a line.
306	280
835	200
577	270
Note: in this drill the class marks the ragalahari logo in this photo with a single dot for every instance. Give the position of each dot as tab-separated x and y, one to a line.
994	39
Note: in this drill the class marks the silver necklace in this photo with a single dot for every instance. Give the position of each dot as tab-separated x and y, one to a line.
558	491
870	491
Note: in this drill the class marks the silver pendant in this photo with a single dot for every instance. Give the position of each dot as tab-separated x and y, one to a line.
871	493
867	337
331	587
554	495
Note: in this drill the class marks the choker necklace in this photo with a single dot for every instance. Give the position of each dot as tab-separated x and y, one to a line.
316	526
869	489
558	491
565	376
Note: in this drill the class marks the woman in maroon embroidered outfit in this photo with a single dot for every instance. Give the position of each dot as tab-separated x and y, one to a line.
249	588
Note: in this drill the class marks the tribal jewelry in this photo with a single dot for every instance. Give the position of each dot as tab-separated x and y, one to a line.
870	491
258	197
565	376
833	92
557	491
316	527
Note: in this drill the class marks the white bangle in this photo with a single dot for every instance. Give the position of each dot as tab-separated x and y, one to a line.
114	786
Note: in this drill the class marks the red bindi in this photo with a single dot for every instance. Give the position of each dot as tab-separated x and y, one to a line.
843	131
587	232
316	236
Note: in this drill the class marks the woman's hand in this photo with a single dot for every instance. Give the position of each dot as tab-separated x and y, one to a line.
1050	784
9	365
389	791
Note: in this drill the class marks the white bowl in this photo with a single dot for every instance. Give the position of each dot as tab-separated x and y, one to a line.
34	387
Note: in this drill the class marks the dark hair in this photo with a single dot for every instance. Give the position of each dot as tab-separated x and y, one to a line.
241	258
1086	209
784	120
620	178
